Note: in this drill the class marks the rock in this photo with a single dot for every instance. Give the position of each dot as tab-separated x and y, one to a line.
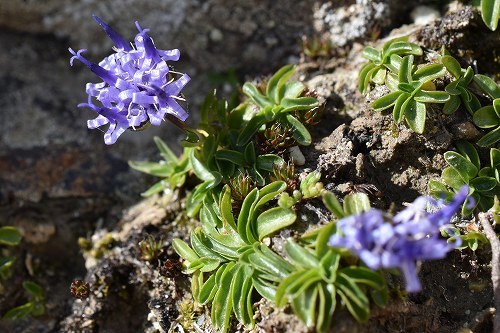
213	35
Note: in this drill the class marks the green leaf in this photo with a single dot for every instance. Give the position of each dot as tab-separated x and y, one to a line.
415	114
269	192
290	284
333	205
483	184
251	91
391	81
241	295
364	275
429	72
251	129
293	89
406	69
152	168
486	117
225	208
195	199
167	154
364	79
386	101
468	151
264	288
356	203
275	84
452	178
245	216
487	85
203	264
379	76
208	289
452	65
5	266
329	264
269	161
201	248
265	265
232	156
326	307
399	107
299	255
353	297
300	132
452	88
19	311
323	237
371	54
9	236
273	220
222	304
495	158
463	166
426	96
304	305
490	138
299	103
490	12
34	289
451	105
202	171
402	47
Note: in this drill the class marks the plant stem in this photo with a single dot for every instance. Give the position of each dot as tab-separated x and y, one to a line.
485	219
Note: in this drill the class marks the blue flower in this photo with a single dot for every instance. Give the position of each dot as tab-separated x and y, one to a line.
137	85
382	241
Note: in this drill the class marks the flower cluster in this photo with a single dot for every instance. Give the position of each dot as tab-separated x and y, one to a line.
382	241
138	87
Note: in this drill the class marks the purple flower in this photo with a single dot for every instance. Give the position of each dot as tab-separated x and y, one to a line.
382	241
138	87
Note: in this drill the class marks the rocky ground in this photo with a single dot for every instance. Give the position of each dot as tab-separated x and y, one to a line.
59	182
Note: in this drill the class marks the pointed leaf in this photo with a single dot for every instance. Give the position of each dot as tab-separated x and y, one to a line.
275	84
251	91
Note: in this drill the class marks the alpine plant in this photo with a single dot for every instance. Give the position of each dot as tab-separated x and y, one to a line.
138	87
383	241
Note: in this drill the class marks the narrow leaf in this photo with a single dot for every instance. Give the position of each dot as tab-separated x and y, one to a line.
273	220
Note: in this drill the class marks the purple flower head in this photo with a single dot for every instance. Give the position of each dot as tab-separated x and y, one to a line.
137	85
382	241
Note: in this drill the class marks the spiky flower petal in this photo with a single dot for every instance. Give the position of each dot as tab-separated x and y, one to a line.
137	85
382	241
